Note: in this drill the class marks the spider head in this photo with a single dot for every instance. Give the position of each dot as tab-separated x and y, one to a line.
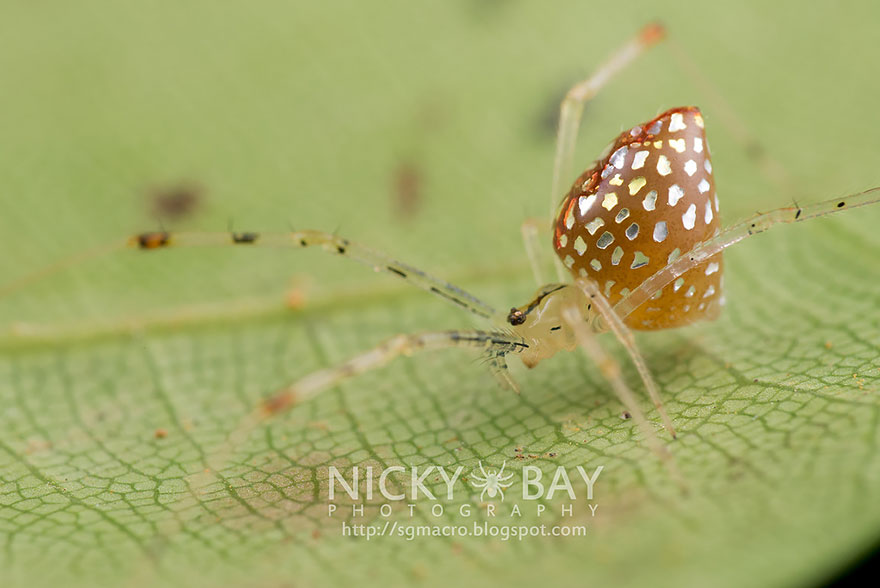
540	321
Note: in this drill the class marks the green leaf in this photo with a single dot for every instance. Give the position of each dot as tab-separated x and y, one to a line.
127	382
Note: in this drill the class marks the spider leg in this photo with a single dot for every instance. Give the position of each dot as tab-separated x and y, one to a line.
483	470
501	471
610	369
531	232
290	240
611	320
312	384
572	108
479	479
734	234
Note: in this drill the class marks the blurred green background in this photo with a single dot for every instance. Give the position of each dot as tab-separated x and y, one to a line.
426	130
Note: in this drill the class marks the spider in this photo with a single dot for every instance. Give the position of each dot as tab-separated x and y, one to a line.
637	237
492	482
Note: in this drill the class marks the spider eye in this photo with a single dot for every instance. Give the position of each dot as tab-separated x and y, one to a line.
516	317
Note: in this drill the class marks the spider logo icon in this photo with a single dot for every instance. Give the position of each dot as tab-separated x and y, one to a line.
492	482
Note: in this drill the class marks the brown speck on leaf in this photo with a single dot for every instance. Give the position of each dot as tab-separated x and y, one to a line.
626	415
828	345
408	180
316	534
160	433
176	201
295	298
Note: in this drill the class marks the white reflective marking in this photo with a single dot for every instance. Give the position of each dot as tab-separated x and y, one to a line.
608	285
610	201
690	292
622	215
676	122
709	291
639	160
636	185
678	284
616	180
568	261
713	267
698	145
707	165
703	186
708	212
616	256
675	194
677	144
580	245
596	264
582	272
663	167
569	218
563	239
655	128
605	240
660	232
689	217
618	157
673	256
585	203
639	260
716	202
690	166
594	225
650	200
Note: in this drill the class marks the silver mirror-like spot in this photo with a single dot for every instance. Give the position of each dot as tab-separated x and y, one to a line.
660	232
639	260
632	231
605	240
689	218
585	203
616	255
622	215
650	201
675	194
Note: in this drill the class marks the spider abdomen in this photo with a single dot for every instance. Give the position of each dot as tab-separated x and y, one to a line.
649	200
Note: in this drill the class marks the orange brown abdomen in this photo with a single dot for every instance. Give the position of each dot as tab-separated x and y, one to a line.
649	201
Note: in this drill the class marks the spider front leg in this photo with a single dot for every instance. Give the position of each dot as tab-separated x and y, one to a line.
302	239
